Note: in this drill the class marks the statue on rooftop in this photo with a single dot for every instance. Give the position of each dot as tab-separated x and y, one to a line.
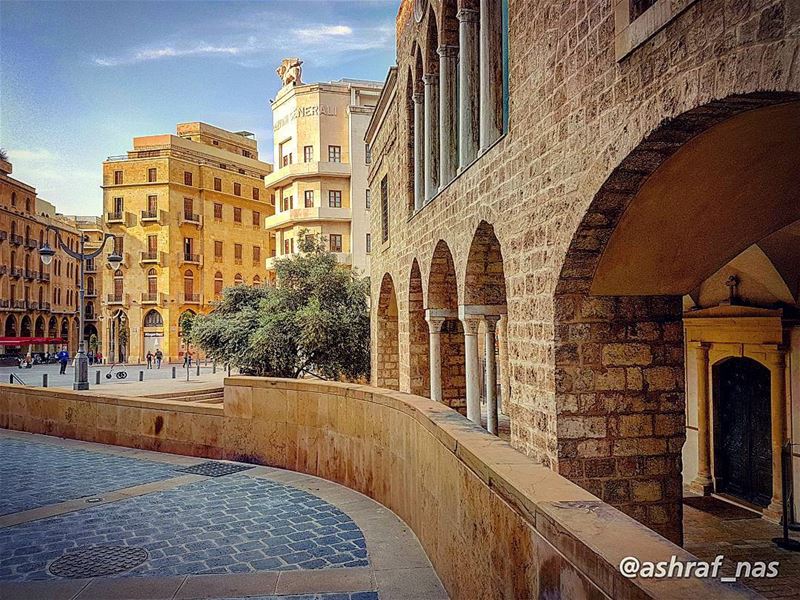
290	71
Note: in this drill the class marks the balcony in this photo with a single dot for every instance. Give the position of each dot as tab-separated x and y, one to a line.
154	298
149	216
300	215
16	272
90	294
91	267
192	259
151	257
45	306
3	269
117	299
310	169
90	318
191	298
32	244
18	305
44	276
5	303
33	306
3	236
189	218
113	218
16	240
30	275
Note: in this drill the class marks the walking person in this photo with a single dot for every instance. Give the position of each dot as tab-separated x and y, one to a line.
63	359
159	358
149	359
90	357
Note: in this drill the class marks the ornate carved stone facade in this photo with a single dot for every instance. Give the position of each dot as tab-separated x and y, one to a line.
605	189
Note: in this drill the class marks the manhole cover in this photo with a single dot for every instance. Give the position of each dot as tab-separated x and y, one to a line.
98	561
215	469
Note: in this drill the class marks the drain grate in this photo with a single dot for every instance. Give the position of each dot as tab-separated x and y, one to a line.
213	468
98	561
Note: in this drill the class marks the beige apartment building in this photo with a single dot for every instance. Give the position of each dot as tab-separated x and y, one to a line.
320	181
188	214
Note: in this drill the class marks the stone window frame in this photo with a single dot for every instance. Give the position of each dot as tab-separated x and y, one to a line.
334	198
308	198
629	35
335	241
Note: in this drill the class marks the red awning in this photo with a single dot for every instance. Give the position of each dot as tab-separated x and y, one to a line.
24	341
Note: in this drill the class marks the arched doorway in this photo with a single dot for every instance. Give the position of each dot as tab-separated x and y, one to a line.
10	326
25	327
448	373
38	330
153	332
418	336
52	328
742	432
387	372
691	197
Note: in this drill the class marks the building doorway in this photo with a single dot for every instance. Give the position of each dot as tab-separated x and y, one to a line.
742	432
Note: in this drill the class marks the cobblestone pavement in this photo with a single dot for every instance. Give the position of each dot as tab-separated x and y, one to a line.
259	533
36	475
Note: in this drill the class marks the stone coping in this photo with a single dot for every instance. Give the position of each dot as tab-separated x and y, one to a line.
576	523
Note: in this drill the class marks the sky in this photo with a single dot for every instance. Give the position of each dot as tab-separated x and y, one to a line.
79	80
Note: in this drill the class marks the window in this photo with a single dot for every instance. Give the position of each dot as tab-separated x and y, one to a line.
368	200
237	279
256	255
639	7
335	198
217	283
118	245
335	153
152	206
286	247
309	198
237	254
187	178
286	160
217	184
367	154
188	247
308	153
13	198
256	281
237	214
151	175
246	153
119	206
188	286
152	283
237	189
385	209
117	177
336	242
217	250
256	219
217	211
152	246
153	319
369	243
255	193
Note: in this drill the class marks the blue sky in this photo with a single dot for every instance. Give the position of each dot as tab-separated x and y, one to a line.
78	80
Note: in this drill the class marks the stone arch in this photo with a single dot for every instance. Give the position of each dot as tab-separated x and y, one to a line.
153	319
90	310
619	411
25	327
448	23
52	328
484	281
418	336
64	331
38	328
90	285
411	146
387	373
10	329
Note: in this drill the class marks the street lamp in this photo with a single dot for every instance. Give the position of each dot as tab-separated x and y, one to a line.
114	260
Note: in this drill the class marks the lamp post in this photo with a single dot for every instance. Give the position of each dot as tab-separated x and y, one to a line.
47	253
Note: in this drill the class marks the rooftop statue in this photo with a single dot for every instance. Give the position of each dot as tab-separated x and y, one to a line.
290	71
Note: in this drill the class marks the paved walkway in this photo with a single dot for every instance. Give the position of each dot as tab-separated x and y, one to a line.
82	521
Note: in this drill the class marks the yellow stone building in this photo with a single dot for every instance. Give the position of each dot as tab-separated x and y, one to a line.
188	214
320	180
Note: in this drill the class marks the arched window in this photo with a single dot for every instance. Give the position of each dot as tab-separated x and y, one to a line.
153	319
188	285
41	238
152	283
237	279
27	205
13	258
90	285
90	310
27	232
13	203
217	283
118	287
256	280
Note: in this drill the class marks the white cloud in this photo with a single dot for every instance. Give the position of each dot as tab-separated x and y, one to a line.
157	53
37	155
320	33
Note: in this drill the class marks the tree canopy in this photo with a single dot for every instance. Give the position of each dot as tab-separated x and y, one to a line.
315	319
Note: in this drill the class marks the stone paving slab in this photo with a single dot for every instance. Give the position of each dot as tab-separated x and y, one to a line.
36	475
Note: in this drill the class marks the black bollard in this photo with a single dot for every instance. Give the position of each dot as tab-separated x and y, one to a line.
44	379
198	368
214	367
173	372
141	375
97	377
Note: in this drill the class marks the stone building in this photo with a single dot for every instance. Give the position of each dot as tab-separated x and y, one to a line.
320	181
570	186
188	214
38	303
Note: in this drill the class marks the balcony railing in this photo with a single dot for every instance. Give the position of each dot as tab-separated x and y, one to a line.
191	298
237	261
45	306
150	215
16	240
4	303
3	269
114	217
150	256
90	294
30	275
3	236
188	216
150	298
191	258
19	304
33	306
32	244
90	317
16	272
116	299
90	267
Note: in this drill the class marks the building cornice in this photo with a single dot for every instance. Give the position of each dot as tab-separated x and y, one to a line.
382	108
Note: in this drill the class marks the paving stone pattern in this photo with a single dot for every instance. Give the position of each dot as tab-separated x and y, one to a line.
35	475
233	524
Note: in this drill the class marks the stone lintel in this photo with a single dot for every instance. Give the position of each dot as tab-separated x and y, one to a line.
465	310
440	313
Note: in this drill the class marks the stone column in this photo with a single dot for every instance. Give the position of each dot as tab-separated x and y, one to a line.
431	134
491	72
505	379
702	483
471	325
435	327
419	150
448	122
468	87
777	372
491	373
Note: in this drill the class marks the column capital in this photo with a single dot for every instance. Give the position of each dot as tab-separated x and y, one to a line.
435	323
491	322
448	51
471	323
430	79
468	15
418	97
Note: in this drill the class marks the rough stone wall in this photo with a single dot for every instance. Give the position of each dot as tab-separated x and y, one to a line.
576	114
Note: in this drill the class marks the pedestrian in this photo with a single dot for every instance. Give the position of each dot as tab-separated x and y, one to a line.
190	359
159	358
63	359
99	358
149	359
90	357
